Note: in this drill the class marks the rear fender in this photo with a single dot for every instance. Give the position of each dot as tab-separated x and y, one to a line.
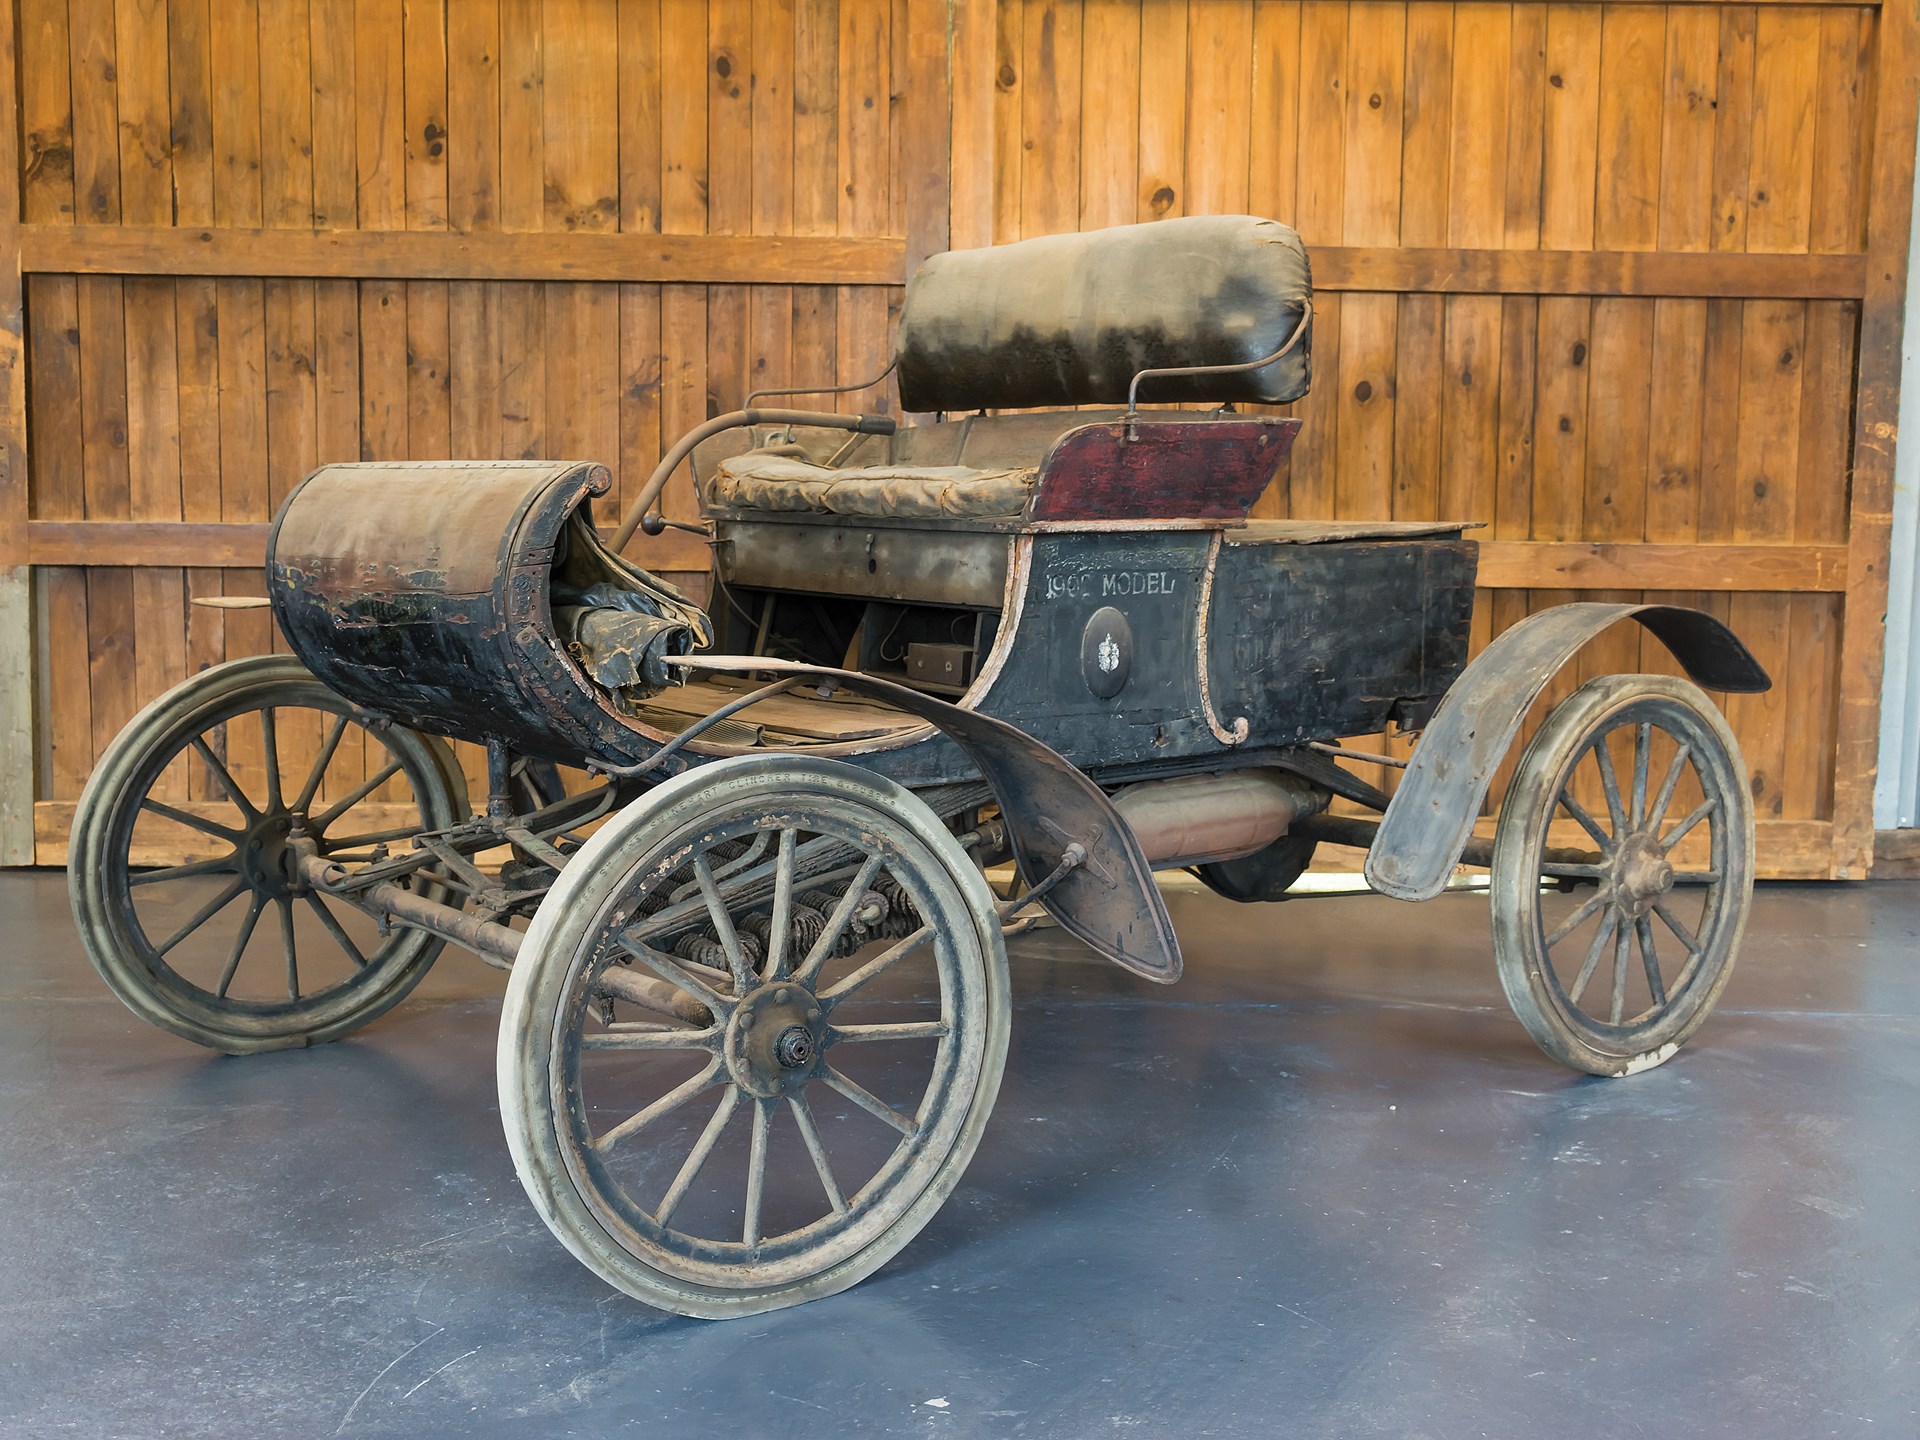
1427	824
1108	901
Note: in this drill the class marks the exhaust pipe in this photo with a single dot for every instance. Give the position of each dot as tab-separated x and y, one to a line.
1214	817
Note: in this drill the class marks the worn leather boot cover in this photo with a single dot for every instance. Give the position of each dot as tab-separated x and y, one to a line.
1071	319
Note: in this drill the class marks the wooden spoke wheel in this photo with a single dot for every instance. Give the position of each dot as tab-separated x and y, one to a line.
229	948
1616	964
753	1035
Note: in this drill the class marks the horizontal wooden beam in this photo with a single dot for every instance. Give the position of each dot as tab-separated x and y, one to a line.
1504	564
1580	565
219	546
449	255
846	260
1588	272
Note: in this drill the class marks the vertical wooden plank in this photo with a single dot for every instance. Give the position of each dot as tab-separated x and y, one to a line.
473	114
865	149
973	97
1050	162
1376	57
1780	176
1427	116
1009	104
1274	155
1110	115
158	596
1477	215
1632	81
1876	412
924	132
46	116
473	203
1560	421
1219	105
640	97
770	321
1571	127
17	679
1319	188
331	45
1733	128
1163	108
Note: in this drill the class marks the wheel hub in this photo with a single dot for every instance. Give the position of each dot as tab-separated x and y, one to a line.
267	859
775	1038
1641	874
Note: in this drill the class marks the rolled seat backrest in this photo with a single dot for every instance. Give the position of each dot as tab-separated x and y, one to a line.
1071	319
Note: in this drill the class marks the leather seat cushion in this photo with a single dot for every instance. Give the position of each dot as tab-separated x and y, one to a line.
759	481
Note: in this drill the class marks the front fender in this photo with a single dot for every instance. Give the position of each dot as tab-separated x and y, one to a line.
1432	813
1109	901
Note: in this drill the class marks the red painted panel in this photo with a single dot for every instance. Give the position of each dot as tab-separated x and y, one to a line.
1199	469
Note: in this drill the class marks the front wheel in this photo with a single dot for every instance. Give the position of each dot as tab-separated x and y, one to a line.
1651	868
754	1035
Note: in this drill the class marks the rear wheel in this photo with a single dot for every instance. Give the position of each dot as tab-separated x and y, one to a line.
1615	967
754	1035
227	947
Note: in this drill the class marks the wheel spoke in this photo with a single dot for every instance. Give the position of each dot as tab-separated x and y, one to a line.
1622	943
803	1117
1655	987
723	926
344	940
775	967
666	1104
1592	826
205	913
240	944
1678	926
320	763
877	966
627	1035
908	1030
756	1173
224	778
1610	783
1594	951
1705	808
837	922
270	744
697	1160
1574	921
1665	798
221	865
871	1103
355	796
675	974
1642	754
286	944
192	821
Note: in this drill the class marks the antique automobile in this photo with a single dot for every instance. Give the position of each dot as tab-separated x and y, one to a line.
1027	638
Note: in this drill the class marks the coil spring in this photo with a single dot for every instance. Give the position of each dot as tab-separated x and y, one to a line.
903	916
704	948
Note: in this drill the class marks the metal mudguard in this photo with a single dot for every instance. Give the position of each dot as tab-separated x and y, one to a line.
1108	901
1427	824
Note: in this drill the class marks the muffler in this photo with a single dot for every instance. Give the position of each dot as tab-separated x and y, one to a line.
1214	817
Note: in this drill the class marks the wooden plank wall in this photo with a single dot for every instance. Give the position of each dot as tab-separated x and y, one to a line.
1592	274
1622	280
266	234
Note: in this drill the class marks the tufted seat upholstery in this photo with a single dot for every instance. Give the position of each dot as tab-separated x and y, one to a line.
783	483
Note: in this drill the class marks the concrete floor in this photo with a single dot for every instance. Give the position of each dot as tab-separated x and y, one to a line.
1324	1187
